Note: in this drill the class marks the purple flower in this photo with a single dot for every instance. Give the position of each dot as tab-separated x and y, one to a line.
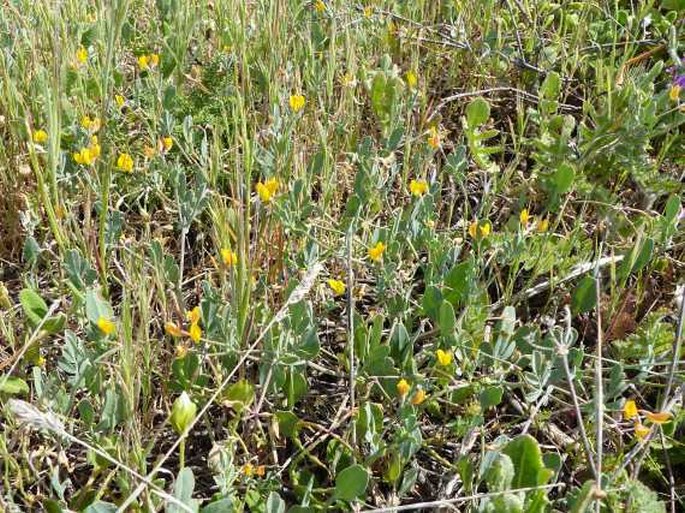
679	80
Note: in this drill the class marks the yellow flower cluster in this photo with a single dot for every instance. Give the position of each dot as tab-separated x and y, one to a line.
418	187
296	102
267	190
40	136
87	156
106	326
195	332
541	226
146	62
376	252
229	257
630	412
480	229
337	286
125	162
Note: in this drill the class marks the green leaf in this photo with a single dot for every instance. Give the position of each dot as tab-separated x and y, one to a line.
432	299
526	455
477	112
274	504
583	499
97	307
551	86
584	296
562	179
183	491
33	305
351	483
500	473
447	320
101	507
287	423
220	506
13	386
240	395
490	397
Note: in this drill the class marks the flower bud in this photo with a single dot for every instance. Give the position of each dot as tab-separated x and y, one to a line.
182	413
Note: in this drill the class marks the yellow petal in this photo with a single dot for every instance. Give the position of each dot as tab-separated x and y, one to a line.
403	387
195	332
193	316
337	286
658	417
641	431
106	326
419	397
629	410
172	329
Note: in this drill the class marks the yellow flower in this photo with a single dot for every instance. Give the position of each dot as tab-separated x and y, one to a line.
193	316
524	217
480	229
154	60
172	329
195	332
260	471
542	226
368	11
267	190
120	100
229	257
84	157
167	142
81	55
403	387
444	357
658	417
376	252
419	397
296	102
337	286
91	124
629	410
94	147
248	469
674	92
411	79
40	136
418	187
143	62
433	138
125	162
106	326
319	6
41	361
641	431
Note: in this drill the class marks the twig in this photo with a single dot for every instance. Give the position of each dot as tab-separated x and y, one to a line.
501	89
599	388
562	351
350	328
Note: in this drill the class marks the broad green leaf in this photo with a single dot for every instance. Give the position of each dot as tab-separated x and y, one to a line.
351	483
584	498
101	507
563	177
287	423
526	455
551	86
33	305
240	395
477	112
274	504
500	473
490	397
96	307
432	299
220	506
584	296
183	491
13	386
447	320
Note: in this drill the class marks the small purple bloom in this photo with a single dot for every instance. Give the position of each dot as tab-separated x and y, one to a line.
679	80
